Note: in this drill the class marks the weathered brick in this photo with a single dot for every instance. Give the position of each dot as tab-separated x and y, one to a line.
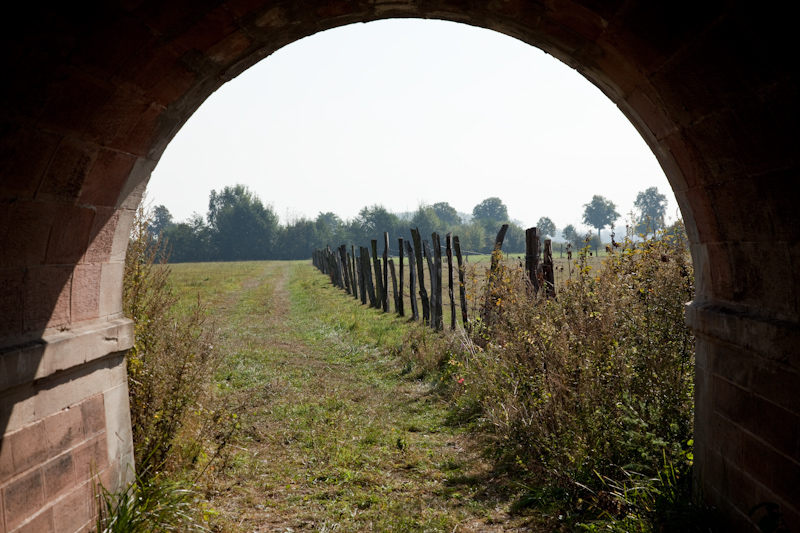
67	171
12	288
59	476
74	511
27	237
25	156
6	460
91	458
101	239
47	293
75	102
111	288
106	178
85	301
23	498
64	430
29	447
43	523
69	237
94	415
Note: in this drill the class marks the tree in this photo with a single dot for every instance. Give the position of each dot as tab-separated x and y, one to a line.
572	236
426	221
372	221
652	206
546	227
491	210
243	228
160	221
447	214
600	213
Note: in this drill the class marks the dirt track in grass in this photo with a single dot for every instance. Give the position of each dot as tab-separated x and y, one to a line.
336	433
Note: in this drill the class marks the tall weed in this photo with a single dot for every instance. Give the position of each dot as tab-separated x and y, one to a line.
172	363
597	381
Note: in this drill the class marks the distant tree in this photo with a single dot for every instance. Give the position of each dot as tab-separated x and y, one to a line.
572	236
329	228
652	206
243	228
447	214
600	213
474	238
514	242
372	221
300	238
426	221
161	220
546	227
491	210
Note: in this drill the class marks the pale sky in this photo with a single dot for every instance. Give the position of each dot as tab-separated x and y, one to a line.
405	112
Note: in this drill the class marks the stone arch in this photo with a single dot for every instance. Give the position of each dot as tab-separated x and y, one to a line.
95	94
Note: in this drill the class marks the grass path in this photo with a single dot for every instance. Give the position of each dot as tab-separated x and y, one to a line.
336	433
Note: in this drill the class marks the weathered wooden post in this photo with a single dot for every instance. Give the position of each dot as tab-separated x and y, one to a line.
547	269
385	272
377	267
437	265
400	303
373	300
434	318
462	284
412	281
449	243
394	281
532	257
423	292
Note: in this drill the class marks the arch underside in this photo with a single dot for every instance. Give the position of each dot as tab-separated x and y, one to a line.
95	94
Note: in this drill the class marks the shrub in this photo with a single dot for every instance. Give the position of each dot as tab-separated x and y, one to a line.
598	378
172	362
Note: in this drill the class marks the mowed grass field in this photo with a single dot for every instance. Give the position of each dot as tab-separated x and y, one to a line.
337	432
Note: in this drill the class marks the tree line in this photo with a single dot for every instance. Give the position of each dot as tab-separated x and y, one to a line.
238	226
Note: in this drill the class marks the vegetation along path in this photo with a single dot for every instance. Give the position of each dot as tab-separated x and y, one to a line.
336	433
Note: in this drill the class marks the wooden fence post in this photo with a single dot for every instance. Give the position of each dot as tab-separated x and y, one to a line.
377	267
462	284
412	281
532	257
423	292
434	318
385	272
449	250
437	265
394	281
368	277
400	303
548	270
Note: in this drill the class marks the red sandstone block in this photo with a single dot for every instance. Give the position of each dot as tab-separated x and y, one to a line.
64	430
28	234
59	476
6	461
85	304
47	293
12	288
94	415
43	523
69	237
230	48
91	458
106	178
67	171
214	27
23	498
117	117
2	514
74	511
101	239
29	447
652	115
76	100
27	153
138	140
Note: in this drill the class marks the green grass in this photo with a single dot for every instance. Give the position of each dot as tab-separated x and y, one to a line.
336	432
